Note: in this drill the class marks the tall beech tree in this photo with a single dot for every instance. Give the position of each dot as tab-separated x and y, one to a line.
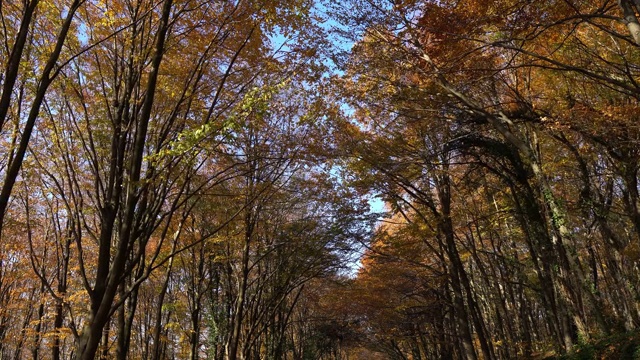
481	88
137	107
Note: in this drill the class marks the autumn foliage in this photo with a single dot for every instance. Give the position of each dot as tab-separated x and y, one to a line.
186	179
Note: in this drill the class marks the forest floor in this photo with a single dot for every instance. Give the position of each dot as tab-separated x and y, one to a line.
617	346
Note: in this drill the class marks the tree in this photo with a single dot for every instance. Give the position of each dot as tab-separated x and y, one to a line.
130	138
435	104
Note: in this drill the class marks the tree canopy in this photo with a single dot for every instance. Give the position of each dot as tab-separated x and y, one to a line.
191	179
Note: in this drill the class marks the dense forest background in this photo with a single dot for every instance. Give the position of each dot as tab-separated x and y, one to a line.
192	179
